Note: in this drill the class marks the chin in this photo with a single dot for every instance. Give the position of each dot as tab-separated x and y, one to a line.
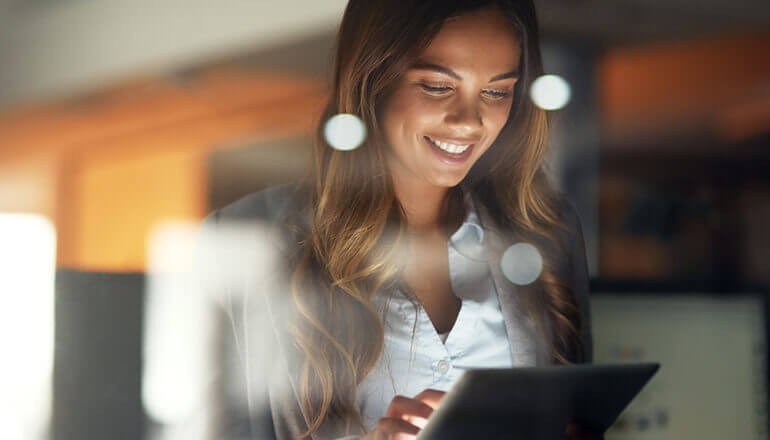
449	181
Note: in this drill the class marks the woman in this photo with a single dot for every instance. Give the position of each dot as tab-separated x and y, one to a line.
373	241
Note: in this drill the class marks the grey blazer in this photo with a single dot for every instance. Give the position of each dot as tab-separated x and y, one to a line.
268	355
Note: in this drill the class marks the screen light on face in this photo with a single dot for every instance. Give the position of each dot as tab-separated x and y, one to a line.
344	132
550	92
521	264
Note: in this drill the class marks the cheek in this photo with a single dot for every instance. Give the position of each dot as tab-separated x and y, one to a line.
407	114
497	117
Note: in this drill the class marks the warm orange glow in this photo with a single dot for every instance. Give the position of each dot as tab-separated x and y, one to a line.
110	166
680	87
120	202
150	105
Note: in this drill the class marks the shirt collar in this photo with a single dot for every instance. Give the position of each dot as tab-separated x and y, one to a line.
470	231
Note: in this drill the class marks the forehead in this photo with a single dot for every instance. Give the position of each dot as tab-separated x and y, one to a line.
480	40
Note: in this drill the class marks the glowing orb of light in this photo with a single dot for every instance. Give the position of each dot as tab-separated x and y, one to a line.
550	92
344	132
521	264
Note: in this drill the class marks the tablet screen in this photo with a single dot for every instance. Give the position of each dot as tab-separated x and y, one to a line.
535	403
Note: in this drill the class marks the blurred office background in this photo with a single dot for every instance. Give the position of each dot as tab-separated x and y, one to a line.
123	123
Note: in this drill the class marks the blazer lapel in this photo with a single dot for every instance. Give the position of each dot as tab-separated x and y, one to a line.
528	347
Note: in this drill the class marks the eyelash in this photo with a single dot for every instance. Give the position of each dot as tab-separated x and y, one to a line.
496	94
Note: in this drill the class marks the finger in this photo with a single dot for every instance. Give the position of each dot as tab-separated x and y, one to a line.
397	428
402	406
430	397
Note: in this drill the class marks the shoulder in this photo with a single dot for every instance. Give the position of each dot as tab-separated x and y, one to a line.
569	241
570	219
273	205
576	274
567	212
245	243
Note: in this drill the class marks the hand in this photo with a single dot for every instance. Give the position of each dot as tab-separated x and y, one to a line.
576	431
405	416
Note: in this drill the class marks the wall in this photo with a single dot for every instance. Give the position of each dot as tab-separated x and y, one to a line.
59	48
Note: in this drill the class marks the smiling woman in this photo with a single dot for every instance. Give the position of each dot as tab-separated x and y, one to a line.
394	247
455	99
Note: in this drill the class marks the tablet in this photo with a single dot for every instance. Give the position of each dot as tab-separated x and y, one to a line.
535	403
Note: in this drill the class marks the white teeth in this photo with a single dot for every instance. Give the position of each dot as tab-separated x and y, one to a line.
451	148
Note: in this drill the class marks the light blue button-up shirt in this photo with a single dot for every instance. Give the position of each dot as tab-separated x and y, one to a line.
414	356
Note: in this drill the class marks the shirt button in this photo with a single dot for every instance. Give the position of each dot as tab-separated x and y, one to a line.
443	366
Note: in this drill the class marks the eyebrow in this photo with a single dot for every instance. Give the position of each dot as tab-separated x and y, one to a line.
447	71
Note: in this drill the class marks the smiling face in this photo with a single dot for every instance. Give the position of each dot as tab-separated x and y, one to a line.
449	107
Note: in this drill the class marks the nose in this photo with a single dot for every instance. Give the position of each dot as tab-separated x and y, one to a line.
464	119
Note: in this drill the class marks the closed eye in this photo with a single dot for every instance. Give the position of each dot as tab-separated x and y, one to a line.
436	89
495	94
498	94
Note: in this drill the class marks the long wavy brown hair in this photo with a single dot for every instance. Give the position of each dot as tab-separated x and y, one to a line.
346	252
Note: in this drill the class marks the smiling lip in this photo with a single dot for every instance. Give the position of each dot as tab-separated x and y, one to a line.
447	157
452	141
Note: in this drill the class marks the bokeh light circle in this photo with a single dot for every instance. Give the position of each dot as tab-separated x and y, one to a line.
550	92
521	264
344	132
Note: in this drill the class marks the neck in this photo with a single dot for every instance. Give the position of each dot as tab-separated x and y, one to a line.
422	202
